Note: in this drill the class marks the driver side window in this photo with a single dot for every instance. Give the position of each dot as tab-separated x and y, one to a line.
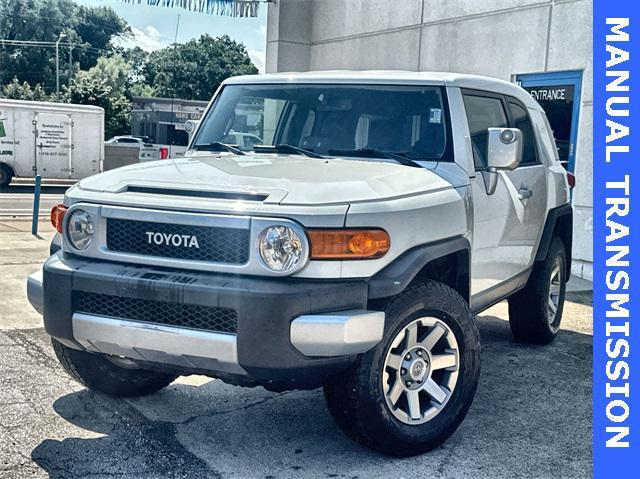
483	112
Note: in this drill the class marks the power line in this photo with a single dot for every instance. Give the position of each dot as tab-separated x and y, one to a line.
44	44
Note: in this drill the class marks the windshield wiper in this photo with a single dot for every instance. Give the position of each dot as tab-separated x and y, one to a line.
373	153
286	148
219	146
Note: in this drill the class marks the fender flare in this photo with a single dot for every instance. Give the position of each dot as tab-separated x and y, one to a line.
395	277
561	214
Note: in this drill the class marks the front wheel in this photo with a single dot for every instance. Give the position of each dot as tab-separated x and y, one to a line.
102	375
410	393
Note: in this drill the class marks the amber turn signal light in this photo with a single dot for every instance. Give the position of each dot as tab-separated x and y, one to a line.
57	216
348	244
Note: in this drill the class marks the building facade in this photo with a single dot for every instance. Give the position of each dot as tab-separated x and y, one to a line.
544	45
162	119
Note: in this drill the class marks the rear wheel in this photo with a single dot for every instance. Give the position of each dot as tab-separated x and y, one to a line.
536	311
410	393
6	175
100	374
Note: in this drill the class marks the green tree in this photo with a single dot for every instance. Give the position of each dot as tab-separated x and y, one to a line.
195	69
106	85
114	72
45	20
97	26
23	91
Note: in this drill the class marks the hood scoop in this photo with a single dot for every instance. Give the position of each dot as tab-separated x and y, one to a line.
218	195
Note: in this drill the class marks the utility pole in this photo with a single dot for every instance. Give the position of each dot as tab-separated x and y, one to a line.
70	62
60	37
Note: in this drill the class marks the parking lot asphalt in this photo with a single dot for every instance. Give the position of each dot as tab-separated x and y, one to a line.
531	417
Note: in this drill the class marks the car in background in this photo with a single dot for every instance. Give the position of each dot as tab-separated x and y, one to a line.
148	151
244	141
128	140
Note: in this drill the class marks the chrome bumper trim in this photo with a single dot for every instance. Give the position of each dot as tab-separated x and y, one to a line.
155	343
35	293
341	333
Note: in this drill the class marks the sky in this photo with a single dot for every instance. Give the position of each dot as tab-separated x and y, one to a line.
155	27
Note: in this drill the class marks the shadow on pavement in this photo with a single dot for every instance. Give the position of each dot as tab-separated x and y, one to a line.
531	415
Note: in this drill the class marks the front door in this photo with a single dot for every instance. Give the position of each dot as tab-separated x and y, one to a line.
506	223
559	95
53	145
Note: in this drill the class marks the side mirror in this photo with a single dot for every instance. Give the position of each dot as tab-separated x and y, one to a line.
504	154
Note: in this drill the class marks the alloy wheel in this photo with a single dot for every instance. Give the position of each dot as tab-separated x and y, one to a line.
555	288
420	370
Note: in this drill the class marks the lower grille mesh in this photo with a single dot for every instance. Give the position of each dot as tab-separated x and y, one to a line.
207	318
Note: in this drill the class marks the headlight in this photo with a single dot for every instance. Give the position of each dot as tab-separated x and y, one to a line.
281	248
80	229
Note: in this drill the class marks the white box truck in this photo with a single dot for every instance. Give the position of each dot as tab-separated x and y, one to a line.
54	140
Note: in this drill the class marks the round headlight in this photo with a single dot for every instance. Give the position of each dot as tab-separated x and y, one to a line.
281	248
80	229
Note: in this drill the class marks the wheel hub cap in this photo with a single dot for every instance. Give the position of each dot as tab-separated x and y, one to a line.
420	370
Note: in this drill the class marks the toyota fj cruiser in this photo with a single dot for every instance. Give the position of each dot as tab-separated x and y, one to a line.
349	250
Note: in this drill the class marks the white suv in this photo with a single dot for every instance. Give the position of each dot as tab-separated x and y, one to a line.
350	250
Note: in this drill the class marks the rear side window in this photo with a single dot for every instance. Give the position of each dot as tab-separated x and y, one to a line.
520	120
483	112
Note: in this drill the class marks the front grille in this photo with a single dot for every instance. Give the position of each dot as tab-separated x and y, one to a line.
214	244
207	318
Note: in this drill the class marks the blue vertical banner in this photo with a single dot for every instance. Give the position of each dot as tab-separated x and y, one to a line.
616	212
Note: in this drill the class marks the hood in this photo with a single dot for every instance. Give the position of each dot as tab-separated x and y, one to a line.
282	179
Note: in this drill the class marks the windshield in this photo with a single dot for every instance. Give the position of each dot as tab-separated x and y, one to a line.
330	119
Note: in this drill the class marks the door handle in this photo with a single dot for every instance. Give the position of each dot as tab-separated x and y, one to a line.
524	193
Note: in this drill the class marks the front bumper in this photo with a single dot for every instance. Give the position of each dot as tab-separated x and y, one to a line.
290	332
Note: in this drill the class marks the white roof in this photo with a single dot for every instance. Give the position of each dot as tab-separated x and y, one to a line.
48	105
394	77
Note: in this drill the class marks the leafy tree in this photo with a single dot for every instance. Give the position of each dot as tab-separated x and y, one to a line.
137	58
106	85
23	91
114	71
97	26
195	69
142	89
45	20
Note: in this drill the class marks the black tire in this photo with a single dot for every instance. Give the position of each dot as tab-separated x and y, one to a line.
99	374
530	317
6	175
356	398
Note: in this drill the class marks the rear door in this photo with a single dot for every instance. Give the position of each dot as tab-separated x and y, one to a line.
54	145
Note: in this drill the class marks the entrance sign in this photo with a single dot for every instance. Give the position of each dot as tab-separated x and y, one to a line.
559	94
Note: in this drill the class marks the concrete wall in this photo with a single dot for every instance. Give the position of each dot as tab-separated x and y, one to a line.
500	38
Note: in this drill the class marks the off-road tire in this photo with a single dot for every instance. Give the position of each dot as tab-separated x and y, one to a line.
101	375
356	399
6	175
529	315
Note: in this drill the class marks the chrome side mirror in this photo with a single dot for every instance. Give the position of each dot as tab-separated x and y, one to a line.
504	154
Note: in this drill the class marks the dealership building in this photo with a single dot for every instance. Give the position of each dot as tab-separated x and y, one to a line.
544	45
